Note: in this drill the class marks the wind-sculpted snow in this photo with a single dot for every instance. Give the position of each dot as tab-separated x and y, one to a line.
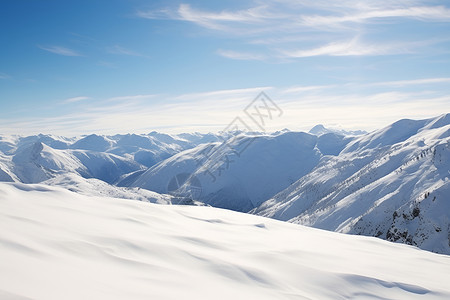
399	192
56	244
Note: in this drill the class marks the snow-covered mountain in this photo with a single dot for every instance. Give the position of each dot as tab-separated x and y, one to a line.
56	244
243	171
37	162
320	129
37	158
392	183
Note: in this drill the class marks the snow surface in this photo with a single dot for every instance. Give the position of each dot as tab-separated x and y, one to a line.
56	244
96	187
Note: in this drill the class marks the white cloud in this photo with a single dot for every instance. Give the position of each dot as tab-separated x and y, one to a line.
351	105
131	98
400	83
157	14
424	13
284	23
240	55
60	50
224	94
212	20
75	99
352	47
303	89
222	20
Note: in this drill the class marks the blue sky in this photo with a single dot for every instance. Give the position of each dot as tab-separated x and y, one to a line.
118	66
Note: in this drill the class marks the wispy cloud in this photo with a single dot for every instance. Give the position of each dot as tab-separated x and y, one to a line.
224	94
400	83
132	98
158	14
240	55
349	86
213	110
75	99
60	50
212	20
291	14
116	49
353	47
423	13
282	24
303	89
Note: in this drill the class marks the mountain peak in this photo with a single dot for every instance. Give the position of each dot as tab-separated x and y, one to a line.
321	129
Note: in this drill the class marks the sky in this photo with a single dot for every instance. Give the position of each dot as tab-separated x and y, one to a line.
134	66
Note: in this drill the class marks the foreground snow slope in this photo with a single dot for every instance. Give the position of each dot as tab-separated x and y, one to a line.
55	244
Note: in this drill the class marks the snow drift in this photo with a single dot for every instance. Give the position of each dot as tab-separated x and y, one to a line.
56	244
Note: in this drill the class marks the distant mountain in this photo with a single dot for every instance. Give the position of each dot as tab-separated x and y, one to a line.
245	170
392	183
320	129
34	159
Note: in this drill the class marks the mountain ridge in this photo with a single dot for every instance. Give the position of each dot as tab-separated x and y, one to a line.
391	183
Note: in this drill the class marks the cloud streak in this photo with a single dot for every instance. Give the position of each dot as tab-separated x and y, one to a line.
240	55
352	105
353	47
75	99
282	24
60	50
422	13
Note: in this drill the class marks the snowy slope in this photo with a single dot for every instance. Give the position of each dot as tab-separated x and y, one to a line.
37	162
106	166
247	170
96	187
56	244
93	142
392	183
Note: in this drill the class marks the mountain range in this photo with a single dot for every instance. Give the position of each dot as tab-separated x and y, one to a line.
392	183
